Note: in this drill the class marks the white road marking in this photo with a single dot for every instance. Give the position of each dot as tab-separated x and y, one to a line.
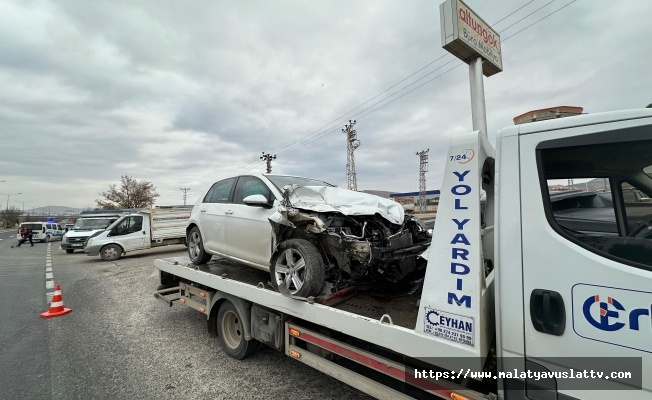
49	276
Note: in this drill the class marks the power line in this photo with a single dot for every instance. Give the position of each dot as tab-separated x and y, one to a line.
401	81
298	143
540	19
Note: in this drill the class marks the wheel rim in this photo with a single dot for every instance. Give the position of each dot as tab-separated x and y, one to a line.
290	266
194	245
231	329
110	252
47	239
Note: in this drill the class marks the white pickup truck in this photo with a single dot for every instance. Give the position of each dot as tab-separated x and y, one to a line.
515	304
144	229
88	224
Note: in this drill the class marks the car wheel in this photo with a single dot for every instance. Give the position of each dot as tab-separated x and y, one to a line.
47	239
70	251
300	261
231	333
196	250
111	252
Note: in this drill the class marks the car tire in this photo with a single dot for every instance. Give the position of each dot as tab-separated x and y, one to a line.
47	239
196	250
111	252
70	251
304	262
230	333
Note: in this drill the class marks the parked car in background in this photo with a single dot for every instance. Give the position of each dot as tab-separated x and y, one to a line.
43	231
307	232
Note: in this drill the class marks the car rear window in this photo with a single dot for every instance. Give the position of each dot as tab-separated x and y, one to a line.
33	227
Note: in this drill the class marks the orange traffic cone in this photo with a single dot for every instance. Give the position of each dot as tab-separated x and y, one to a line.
56	308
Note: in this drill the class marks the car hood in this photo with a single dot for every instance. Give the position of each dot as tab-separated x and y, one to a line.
343	201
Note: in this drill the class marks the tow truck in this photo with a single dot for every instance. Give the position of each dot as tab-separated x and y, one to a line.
509	296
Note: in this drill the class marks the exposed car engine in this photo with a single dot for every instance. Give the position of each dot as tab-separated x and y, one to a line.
366	250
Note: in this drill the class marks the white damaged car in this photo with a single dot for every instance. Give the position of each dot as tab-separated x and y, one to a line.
308	233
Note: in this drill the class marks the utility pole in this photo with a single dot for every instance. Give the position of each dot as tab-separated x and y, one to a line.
268	159
184	190
423	168
352	143
23	204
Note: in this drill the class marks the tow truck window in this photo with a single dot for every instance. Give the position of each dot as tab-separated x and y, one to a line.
598	196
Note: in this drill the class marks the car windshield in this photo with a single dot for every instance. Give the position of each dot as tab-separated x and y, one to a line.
94	223
280	181
33	227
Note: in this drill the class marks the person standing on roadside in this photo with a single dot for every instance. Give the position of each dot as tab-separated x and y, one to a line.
26	234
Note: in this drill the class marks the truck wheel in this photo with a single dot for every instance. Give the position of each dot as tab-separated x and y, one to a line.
70	251
231	333
196	250
111	252
302	261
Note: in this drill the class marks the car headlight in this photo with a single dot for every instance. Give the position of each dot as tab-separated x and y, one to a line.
89	242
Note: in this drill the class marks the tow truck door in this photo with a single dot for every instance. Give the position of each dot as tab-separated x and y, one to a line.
587	292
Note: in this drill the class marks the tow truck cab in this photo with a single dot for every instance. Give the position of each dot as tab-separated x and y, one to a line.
563	296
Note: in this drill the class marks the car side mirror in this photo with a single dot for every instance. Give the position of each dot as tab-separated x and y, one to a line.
257	200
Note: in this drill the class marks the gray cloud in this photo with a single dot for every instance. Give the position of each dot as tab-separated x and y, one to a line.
185	95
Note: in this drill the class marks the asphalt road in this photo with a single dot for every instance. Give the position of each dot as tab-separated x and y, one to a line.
120	342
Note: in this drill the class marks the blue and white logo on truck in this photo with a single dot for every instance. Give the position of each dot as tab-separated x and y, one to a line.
622	317
457	328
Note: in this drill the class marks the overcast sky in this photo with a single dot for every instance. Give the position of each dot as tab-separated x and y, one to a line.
186	93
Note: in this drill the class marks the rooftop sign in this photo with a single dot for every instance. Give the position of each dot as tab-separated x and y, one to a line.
467	36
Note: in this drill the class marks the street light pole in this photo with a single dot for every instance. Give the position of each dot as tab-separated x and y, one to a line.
18	201
8	196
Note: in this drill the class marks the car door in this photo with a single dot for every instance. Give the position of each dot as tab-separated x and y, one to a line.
60	232
211	215
587	292
130	233
249	233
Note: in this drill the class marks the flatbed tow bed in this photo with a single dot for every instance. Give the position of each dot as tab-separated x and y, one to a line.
386	324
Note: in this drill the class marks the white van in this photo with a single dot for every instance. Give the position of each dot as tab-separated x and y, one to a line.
43	231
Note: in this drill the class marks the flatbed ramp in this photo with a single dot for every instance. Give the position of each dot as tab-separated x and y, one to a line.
389	324
402	311
385	323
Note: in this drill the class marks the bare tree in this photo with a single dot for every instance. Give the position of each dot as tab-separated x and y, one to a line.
9	216
130	194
